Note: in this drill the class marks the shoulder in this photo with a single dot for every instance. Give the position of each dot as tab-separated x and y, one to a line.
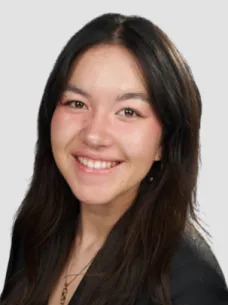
196	277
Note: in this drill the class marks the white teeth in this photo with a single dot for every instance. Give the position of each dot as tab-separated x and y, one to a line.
96	164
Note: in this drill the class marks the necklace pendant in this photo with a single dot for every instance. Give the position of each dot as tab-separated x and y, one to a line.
64	294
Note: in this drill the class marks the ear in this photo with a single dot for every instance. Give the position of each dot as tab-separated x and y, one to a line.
158	154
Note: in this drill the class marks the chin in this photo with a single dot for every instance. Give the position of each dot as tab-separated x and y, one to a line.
93	197
86	200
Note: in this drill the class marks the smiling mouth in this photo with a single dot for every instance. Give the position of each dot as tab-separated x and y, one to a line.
97	164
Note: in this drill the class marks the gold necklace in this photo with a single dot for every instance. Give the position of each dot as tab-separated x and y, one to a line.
65	287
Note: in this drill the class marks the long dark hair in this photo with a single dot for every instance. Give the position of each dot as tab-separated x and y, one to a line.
137	253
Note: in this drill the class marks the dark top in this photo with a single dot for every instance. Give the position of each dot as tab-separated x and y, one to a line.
196	277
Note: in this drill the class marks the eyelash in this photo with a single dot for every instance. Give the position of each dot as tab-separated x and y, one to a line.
70	103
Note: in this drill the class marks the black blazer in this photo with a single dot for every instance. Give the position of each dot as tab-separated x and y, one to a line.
196	277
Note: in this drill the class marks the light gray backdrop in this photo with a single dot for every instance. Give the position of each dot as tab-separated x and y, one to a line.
32	35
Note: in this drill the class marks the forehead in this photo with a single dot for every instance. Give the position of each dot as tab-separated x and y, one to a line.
107	66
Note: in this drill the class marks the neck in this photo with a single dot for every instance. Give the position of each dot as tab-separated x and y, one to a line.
95	223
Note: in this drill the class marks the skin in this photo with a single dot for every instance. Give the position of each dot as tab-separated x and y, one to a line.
102	126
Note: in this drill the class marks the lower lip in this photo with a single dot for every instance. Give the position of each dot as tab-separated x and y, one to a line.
98	171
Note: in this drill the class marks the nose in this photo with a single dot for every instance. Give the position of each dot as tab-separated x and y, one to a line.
96	132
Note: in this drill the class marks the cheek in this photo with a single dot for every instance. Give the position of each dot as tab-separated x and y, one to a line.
60	129
142	142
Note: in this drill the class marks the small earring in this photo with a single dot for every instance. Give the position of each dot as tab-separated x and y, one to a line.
151	179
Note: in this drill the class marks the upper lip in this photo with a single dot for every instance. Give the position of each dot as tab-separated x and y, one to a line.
95	157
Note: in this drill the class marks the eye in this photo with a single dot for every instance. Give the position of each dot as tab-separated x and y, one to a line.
75	104
129	112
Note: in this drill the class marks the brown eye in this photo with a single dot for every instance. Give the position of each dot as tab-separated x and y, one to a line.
75	104
128	112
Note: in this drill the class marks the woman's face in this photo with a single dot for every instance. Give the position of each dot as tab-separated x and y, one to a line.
104	133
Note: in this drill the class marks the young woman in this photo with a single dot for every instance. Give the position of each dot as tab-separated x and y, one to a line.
109	216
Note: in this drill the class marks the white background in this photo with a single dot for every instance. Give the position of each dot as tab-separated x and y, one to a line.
31	36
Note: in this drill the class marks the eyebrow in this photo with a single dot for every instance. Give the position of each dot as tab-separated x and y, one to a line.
126	96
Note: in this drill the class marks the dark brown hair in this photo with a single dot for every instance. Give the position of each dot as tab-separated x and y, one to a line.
137	253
